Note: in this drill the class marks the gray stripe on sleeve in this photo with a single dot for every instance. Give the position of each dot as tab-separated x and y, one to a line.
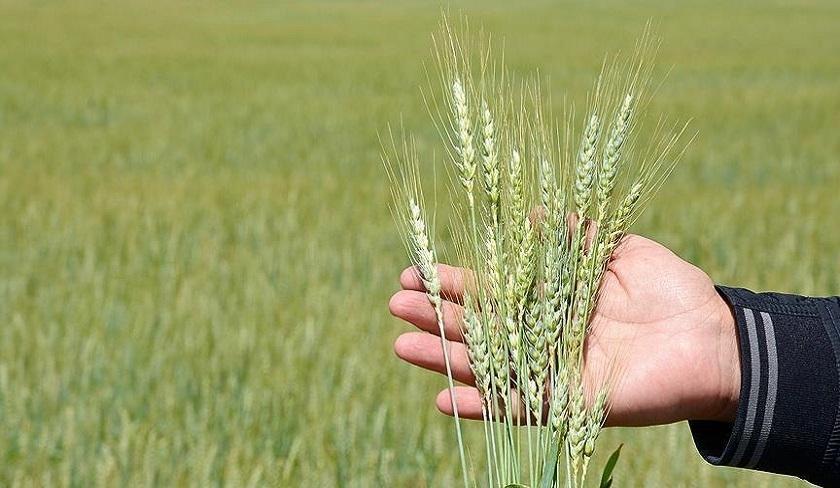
755	378
772	385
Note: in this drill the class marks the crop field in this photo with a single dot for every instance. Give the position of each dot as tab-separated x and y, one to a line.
196	251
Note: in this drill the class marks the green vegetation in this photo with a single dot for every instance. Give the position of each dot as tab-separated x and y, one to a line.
196	252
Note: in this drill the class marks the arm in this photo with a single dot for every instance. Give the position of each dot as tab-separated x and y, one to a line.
788	417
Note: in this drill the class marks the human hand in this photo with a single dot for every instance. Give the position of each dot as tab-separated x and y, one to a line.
658	322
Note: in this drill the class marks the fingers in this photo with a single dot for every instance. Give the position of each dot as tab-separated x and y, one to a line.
590	228
424	350
468	400
452	281
414	307
469	404
571	222
537	215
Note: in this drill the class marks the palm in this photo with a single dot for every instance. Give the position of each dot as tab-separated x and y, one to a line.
659	327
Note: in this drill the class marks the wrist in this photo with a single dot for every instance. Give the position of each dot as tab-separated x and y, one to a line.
728	358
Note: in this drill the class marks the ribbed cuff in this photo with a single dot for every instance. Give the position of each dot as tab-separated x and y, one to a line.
788	418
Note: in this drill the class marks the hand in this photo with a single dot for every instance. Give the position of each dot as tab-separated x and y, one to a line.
659	322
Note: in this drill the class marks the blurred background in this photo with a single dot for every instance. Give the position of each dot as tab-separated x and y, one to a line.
196	252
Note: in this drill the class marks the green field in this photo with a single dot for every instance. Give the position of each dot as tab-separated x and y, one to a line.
196	252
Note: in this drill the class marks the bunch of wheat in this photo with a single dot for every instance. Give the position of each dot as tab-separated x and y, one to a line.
539	212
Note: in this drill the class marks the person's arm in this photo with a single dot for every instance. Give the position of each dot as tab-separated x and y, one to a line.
788	416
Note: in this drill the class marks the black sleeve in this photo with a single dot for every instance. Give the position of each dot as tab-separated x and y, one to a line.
788	418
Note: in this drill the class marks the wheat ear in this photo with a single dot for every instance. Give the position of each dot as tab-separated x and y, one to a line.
584	175
612	155
424	256
476	338
490	161
464	148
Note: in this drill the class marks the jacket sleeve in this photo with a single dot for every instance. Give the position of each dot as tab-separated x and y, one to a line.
788	418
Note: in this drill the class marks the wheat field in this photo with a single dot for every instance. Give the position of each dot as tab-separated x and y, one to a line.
196	252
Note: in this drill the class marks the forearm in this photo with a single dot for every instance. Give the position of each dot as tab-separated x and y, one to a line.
788	416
